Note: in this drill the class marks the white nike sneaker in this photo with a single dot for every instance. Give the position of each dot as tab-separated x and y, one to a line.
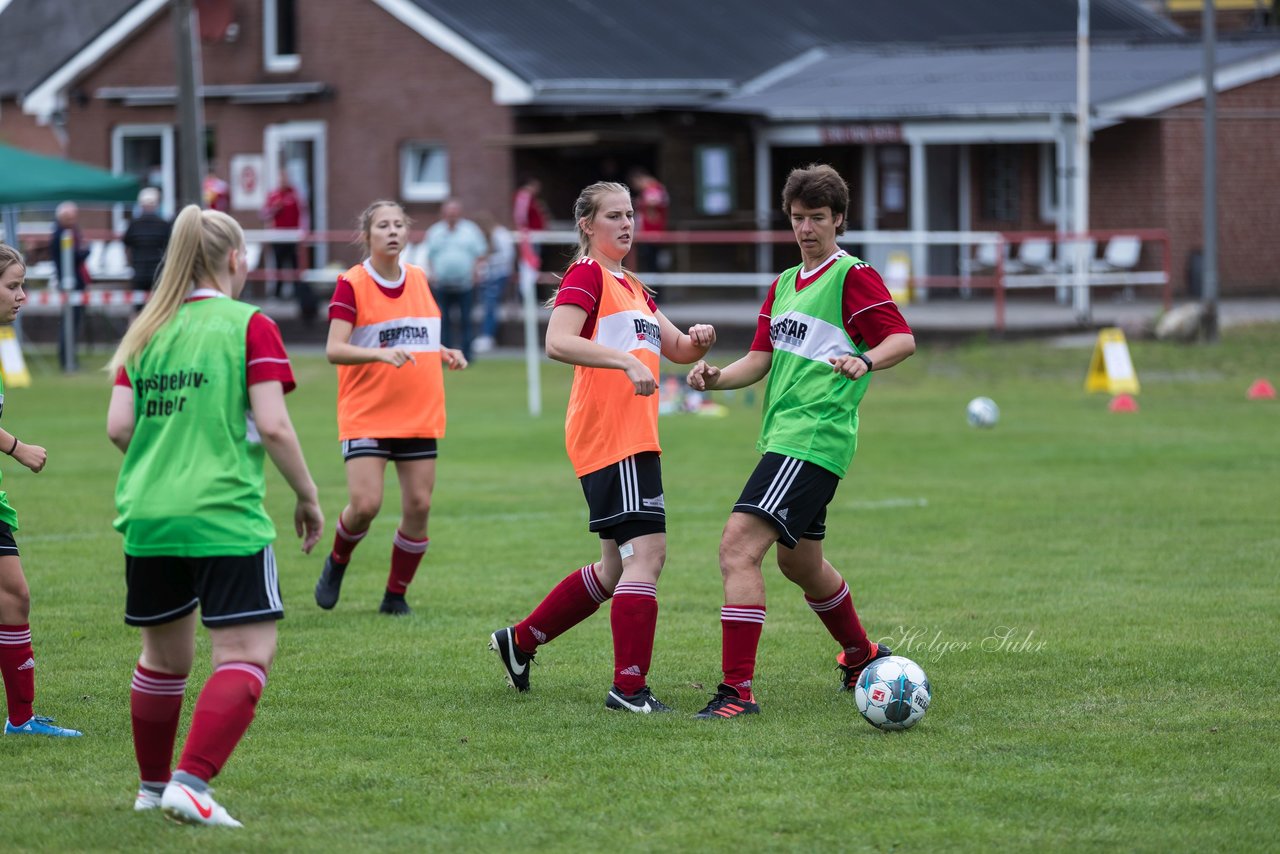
146	800
187	806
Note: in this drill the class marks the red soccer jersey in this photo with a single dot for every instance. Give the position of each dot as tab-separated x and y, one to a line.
870	315
583	285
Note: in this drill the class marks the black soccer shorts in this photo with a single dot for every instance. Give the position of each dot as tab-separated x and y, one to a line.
229	590
792	494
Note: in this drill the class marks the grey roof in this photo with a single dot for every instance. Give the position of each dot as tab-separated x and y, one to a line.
726	42
637	51
867	83
37	36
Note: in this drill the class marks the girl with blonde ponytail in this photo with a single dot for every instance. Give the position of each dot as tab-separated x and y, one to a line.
198	399
606	324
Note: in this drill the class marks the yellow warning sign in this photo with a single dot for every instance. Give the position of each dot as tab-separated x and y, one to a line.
1111	368
897	277
12	365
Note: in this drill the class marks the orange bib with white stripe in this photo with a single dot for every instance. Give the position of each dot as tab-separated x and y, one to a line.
377	400
607	421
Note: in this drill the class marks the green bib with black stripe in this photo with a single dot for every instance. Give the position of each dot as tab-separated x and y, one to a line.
810	411
192	483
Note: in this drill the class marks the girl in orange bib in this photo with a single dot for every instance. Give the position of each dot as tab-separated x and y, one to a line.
384	336
607	326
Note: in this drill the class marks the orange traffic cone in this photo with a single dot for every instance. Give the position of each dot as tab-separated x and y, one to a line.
1123	403
1262	390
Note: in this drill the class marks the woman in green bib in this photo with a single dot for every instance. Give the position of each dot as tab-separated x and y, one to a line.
198	402
17	658
823	327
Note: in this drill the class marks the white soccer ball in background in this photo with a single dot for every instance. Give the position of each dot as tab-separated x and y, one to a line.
893	693
982	412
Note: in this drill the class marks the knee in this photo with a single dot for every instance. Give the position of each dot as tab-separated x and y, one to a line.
16	602
417	508
361	511
792	568
734	560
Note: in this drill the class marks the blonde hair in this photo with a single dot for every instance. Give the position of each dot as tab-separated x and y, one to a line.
8	257
585	208
364	223
197	252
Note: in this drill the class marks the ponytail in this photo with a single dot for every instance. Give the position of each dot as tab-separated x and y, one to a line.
197	250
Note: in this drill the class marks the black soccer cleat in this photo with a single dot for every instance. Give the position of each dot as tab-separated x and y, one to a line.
642	702
330	584
394	604
849	673
727	704
515	661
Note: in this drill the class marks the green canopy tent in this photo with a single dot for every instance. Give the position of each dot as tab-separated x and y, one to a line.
29	177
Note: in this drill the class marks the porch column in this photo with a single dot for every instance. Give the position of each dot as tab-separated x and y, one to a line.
919	216
1062	177
869	188
764	251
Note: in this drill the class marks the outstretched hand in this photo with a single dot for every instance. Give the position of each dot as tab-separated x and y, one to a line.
703	376
703	335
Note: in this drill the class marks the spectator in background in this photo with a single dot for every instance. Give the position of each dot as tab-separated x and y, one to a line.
66	220
146	239
456	248
216	192
528	212
495	276
283	210
652	202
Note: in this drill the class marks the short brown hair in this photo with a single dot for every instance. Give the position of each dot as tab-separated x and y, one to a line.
817	186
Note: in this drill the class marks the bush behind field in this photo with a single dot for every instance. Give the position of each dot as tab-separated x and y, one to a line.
1092	595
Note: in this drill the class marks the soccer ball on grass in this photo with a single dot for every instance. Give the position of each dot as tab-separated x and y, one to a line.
893	693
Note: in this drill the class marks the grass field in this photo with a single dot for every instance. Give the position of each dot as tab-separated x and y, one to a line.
1093	595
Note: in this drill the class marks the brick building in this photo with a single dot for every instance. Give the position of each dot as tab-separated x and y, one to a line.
423	99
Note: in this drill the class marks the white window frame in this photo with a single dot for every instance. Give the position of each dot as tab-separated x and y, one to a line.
168	193
273	61
422	191
705	188
1048	182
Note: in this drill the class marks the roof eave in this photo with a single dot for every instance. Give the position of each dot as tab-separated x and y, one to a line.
46	96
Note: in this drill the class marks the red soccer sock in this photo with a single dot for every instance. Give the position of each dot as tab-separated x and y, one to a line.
406	554
633	617
345	542
841	620
155	705
18	667
740	627
576	597
223	714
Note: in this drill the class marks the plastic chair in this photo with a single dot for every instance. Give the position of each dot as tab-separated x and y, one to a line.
115	262
1122	254
1035	255
97	248
985	256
